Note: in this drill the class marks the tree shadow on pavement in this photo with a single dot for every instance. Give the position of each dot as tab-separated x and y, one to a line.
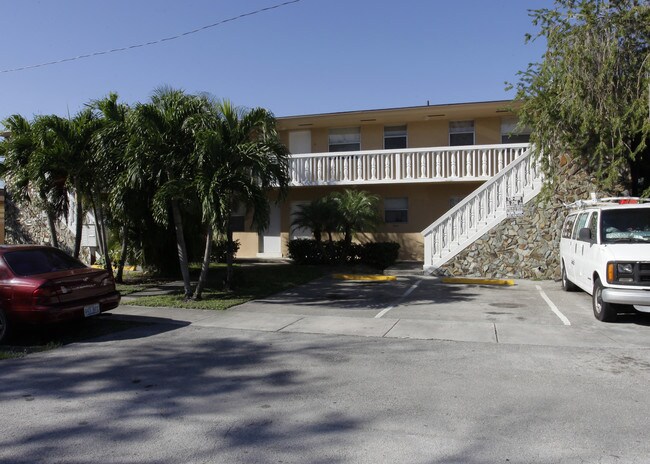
228	396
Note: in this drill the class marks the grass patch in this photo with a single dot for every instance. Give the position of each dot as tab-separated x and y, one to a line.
138	282
250	282
28	340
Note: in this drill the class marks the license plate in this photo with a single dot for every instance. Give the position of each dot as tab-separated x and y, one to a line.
91	310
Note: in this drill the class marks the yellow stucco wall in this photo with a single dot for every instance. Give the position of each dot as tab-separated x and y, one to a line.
248	244
420	134
428	134
320	140
372	137
487	131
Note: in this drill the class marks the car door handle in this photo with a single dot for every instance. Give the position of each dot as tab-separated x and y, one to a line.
573	261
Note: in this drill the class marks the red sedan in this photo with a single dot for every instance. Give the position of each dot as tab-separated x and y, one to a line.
41	285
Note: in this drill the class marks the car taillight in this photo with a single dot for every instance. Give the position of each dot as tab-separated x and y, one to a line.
43	295
107	281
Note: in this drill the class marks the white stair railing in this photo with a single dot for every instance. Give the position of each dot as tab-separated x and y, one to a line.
480	211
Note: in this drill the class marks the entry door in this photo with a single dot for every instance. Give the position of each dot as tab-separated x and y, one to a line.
271	241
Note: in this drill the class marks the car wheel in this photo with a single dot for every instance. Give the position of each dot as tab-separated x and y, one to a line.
606	312
4	327
567	285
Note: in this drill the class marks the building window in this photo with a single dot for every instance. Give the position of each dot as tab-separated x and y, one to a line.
394	137
396	210
510	133
348	139
238	218
461	133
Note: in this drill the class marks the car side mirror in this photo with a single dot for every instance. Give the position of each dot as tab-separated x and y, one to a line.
585	234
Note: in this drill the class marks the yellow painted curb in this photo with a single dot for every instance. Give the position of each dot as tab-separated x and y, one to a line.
477	281
126	268
365	277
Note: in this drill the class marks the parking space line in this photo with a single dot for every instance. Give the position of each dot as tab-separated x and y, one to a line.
406	293
554	308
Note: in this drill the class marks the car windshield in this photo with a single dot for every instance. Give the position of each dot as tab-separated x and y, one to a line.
625	225
40	261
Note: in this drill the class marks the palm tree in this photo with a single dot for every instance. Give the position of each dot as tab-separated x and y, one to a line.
319	216
110	193
67	160
358	212
240	159
160	153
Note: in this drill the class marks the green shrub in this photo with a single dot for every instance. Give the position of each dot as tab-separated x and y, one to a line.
305	251
220	249
379	255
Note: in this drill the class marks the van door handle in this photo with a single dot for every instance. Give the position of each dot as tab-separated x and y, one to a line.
573	261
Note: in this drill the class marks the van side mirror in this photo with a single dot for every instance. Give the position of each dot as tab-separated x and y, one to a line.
585	234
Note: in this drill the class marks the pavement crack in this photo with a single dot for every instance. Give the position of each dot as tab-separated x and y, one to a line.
291	323
391	328
496	334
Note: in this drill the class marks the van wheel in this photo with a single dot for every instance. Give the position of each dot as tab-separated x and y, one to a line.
603	311
4	327
567	285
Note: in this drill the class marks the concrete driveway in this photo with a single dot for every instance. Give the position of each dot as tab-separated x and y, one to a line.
530	313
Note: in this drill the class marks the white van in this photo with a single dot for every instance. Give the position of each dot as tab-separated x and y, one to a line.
605	250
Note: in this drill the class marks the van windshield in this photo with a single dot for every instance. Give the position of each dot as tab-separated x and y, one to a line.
625	225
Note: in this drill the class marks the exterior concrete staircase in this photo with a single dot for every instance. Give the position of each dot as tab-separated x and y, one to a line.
480	211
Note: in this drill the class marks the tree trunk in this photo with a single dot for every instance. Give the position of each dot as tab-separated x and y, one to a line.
229	271
205	266
98	232
51	223
120	266
182	251
79	224
102	225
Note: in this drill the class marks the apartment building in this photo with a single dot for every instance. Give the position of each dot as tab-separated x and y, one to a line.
420	161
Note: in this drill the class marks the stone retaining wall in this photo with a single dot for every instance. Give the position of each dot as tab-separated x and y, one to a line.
25	223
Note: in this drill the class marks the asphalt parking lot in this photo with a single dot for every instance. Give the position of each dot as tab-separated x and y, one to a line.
342	372
530	312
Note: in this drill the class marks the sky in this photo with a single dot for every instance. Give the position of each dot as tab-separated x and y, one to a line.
313	56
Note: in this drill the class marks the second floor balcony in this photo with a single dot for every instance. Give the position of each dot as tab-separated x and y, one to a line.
432	164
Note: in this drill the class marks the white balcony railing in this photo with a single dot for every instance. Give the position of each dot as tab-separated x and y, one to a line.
437	164
480	211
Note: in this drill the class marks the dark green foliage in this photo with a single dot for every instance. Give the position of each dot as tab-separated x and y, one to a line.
588	97
347	212
306	251
220	250
379	255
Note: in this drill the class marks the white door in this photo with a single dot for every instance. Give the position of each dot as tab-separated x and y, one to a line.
300	142
271	241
